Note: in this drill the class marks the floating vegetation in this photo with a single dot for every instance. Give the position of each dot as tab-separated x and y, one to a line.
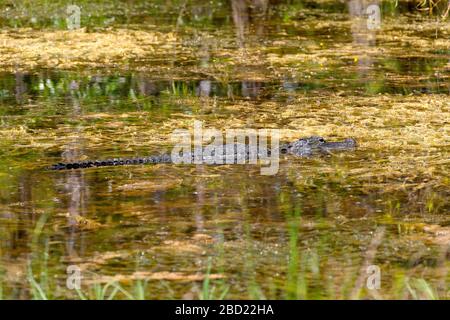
29	48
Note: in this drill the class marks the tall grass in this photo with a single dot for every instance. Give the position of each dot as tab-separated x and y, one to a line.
300	279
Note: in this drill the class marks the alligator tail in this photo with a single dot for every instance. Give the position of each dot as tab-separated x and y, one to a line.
111	162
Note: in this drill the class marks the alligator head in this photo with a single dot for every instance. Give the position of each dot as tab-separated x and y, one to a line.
311	145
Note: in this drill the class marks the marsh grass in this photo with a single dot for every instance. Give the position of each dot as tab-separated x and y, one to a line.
295	282
216	291
415	288
420	289
300	284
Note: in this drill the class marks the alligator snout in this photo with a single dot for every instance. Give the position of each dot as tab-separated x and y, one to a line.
309	146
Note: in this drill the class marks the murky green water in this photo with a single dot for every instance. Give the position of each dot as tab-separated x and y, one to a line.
309	231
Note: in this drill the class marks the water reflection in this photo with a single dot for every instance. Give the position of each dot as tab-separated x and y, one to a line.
246	13
23	88
74	182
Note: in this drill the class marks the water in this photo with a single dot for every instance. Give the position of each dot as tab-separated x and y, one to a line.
306	232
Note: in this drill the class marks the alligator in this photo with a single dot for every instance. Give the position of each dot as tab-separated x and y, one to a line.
304	147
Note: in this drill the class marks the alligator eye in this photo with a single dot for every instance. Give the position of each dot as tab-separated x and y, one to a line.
321	140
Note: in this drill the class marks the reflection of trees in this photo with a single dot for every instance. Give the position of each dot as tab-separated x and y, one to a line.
17	253
75	183
204	55
45	88
145	85
240	18
15	234
21	87
243	12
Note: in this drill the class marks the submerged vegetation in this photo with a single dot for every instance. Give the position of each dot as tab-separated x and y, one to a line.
135	71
